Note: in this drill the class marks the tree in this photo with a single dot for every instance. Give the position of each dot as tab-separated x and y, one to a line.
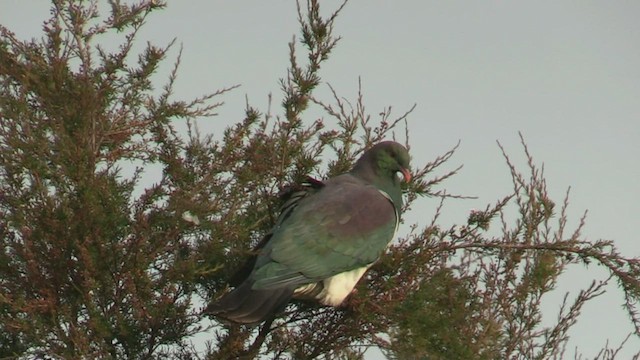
97	263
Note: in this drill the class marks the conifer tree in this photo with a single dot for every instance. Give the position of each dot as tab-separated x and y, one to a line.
96	263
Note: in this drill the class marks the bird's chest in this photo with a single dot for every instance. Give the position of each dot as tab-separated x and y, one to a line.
332	291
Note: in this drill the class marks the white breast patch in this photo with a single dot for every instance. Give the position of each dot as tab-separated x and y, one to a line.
338	287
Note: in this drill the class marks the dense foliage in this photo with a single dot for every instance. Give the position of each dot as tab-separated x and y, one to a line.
97	263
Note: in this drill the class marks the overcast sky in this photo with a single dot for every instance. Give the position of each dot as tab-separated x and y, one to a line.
564	73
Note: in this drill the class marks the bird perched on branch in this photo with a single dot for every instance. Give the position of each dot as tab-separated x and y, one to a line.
324	240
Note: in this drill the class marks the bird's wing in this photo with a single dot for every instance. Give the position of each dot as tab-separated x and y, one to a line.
290	197
345	226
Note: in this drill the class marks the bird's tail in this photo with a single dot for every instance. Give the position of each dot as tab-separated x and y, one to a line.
245	305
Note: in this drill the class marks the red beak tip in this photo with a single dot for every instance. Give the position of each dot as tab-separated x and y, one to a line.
406	174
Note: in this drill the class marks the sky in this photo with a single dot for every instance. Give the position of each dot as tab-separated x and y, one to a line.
565	74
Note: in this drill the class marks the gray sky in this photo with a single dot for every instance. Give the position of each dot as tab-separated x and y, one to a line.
564	73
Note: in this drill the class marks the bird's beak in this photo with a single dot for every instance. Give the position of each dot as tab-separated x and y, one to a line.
406	174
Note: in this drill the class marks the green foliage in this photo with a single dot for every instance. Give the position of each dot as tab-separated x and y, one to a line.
90	269
443	320
96	263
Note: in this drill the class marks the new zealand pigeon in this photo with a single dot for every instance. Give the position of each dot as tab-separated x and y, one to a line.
325	239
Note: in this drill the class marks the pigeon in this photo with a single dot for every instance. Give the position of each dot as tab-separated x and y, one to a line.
327	235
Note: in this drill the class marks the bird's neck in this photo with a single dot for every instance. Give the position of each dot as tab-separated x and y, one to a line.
388	183
392	189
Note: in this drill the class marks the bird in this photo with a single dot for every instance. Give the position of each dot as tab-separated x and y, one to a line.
326	237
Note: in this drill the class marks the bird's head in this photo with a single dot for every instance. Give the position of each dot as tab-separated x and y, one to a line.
383	162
